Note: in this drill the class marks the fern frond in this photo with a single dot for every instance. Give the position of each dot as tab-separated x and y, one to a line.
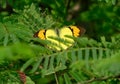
35	19
110	64
85	63
11	33
55	62
9	77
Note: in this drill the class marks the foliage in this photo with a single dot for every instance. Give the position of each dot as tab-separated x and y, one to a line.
26	60
104	20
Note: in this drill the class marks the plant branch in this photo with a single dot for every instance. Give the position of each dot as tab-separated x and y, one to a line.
56	78
100	79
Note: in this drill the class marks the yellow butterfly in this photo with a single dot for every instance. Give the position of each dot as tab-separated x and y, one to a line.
65	33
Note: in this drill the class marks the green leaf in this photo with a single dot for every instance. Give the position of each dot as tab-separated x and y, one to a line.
94	54
87	58
73	56
100	53
80	56
5	42
36	65
28	63
67	79
75	75
46	63
29	81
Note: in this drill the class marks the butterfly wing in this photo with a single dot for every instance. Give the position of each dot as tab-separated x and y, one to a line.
65	34
41	34
77	31
51	35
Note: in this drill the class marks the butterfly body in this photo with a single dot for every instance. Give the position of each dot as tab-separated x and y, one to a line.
64	36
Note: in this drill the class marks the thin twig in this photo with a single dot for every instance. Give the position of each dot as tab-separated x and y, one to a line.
56	79
99	79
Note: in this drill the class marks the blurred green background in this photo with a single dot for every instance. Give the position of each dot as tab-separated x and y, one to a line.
98	17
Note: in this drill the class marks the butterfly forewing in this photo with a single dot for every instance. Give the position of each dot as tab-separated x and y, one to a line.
64	34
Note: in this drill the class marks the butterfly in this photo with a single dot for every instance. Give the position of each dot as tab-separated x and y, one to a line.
61	38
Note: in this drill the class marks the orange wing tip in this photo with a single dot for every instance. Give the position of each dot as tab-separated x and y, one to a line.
40	34
77	30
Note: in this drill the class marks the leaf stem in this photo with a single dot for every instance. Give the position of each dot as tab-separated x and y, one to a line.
56	78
